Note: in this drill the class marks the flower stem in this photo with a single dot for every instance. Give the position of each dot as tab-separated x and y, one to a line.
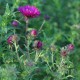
41	26
36	57
52	57
27	22
16	48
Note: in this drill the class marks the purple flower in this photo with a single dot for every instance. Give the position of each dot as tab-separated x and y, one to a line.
70	47
34	33
15	23
29	11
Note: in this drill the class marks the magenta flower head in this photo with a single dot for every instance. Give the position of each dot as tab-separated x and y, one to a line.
34	33
70	47
29	11
15	23
37	44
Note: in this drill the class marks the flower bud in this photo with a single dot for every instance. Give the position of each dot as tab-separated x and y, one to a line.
34	33
15	23
12	38
53	47
47	17
37	44
64	53
15	38
70	47
9	40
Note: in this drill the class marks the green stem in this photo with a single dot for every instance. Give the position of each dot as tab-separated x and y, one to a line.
36	57
27	22
52	57
27	47
49	66
16	48
41	26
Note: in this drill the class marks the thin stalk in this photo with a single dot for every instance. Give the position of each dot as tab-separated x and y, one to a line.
41	26
36	57
52	57
16	48
28	50
27	23
49	66
27	47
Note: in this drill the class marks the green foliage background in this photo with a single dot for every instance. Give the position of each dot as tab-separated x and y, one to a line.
60	29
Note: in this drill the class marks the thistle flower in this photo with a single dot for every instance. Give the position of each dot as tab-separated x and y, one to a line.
15	23
34	33
70	47
12	39
29	11
37	44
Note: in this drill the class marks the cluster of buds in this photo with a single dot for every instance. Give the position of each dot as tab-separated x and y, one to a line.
67	49
32	35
